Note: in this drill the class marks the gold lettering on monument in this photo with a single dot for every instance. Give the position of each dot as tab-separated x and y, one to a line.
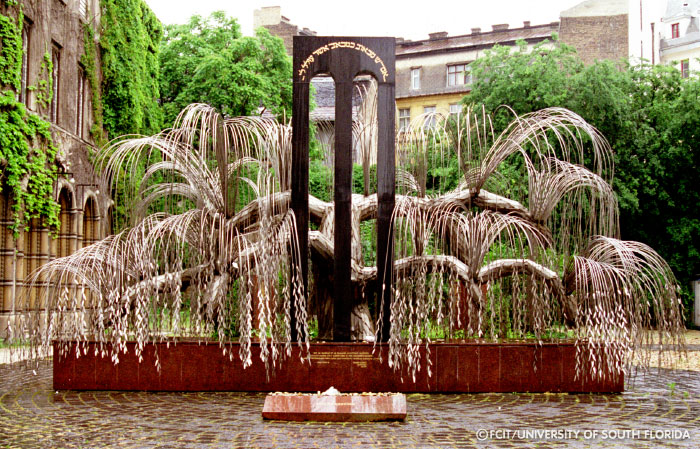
359	359
343	44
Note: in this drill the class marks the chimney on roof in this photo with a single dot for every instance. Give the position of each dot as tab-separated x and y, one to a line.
526	24
438	35
476	30
500	27
267	16
399	40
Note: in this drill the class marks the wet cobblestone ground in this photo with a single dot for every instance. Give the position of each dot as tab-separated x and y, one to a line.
32	415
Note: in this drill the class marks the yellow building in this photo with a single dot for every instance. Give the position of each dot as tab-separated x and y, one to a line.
433	75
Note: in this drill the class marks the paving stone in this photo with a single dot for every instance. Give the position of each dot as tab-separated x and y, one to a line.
32	415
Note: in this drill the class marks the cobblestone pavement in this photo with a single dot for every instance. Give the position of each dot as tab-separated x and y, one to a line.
32	415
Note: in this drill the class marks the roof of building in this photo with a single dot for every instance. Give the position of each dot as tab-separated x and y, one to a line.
597	8
477	39
676	9
324	97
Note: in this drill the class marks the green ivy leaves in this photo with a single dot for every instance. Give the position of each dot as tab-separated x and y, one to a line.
27	152
129	44
27	155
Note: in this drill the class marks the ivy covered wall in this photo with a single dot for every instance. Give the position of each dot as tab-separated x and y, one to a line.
27	153
129	43
121	66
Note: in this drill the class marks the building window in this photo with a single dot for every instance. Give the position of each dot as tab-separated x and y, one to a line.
80	103
404	118
91	222
83	8
458	75
685	68
56	61
25	63
8	265
415	78
429	119
674	31
455	108
65	230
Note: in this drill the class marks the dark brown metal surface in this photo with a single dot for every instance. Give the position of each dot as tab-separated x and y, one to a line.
468	367
344	58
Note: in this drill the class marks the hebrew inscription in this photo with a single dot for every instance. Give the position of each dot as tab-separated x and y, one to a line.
343	44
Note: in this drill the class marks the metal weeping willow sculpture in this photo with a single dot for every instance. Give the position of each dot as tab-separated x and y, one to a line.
209	250
173	274
526	244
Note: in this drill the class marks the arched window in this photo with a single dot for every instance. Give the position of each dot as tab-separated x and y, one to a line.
91	222
36	254
66	231
109	226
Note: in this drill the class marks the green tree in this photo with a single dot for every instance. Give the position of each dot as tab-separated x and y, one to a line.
208	61
650	116
519	77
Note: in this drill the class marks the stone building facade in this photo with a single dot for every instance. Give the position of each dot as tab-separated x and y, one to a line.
55	29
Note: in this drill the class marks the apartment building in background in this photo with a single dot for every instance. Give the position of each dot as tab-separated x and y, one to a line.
680	35
433	75
600	29
653	31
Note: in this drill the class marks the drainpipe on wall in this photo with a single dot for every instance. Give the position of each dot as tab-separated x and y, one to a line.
653	56
11	318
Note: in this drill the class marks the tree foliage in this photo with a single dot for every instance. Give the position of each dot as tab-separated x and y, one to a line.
208	61
649	114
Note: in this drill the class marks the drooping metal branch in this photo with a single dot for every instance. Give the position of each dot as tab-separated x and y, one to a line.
212	240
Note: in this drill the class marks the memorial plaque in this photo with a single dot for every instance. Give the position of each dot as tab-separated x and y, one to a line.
341	407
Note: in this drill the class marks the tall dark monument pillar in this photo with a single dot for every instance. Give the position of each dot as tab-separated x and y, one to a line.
344	58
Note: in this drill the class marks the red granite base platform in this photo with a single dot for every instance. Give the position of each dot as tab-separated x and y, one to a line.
343	407
468	367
